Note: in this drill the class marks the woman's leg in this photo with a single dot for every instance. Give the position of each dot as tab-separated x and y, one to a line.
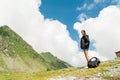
86	55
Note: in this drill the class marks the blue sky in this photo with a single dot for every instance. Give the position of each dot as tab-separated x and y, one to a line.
68	11
43	35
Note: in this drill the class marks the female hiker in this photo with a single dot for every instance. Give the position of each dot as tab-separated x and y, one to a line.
85	43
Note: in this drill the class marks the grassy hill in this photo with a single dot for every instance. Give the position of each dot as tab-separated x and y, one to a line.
16	55
109	70
54	61
18	61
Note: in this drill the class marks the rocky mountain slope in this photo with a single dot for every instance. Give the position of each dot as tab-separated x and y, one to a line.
17	55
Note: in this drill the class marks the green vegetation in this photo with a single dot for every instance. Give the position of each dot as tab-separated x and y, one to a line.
19	61
103	72
17	55
54	61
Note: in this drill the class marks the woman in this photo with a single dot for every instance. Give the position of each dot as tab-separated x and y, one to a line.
85	44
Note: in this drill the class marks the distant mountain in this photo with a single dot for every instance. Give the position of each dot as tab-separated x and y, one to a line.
17	55
54	61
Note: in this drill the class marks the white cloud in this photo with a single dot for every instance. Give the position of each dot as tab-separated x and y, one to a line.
87	7
82	17
83	7
23	17
91	6
99	1
95	3
116	1
104	29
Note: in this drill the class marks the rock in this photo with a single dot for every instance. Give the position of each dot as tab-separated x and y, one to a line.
64	78
0	38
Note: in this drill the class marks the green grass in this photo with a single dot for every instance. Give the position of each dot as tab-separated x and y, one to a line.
32	59
112	77
20	52
44	75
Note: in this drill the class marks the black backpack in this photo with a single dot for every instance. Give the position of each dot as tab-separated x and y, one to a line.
93	62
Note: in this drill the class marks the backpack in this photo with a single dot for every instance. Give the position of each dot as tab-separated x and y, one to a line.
85	42
93	62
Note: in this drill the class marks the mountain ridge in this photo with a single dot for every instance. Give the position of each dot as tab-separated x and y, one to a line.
56	62
17	55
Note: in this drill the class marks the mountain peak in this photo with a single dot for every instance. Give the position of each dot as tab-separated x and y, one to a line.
17	55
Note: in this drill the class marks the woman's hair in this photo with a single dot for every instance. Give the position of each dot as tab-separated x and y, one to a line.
83	31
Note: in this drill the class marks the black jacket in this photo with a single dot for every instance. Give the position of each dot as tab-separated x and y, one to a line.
85	42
